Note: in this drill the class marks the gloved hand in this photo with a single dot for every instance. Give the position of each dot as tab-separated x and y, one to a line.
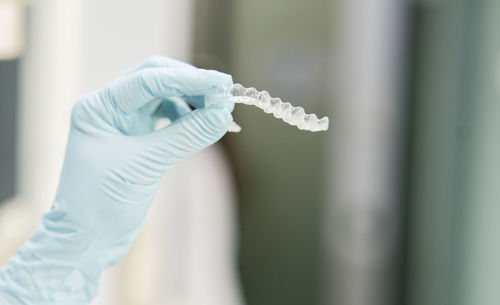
112	169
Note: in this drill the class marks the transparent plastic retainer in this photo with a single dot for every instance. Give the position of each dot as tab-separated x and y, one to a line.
291	115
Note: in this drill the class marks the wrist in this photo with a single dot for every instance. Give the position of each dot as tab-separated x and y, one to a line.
53	265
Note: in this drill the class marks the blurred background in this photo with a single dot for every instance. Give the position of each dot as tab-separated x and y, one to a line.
398	203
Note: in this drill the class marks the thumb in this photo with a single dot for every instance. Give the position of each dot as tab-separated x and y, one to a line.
191	133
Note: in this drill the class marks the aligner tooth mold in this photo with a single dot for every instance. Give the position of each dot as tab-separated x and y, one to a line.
295	116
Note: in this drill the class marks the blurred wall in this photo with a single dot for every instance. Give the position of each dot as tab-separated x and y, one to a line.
279	46
366	202
476	249
453	244
439	54
12	26
8	107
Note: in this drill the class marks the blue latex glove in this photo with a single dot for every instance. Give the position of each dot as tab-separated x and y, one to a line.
112	169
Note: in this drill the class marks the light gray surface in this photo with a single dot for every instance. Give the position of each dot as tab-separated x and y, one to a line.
363	226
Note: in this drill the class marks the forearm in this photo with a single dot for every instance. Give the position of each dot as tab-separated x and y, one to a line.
58	265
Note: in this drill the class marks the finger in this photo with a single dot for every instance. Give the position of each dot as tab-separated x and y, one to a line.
153	105
190	134
158	61
136	90
199	102
196	101
173	108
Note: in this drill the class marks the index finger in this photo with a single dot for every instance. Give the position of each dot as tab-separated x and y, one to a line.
158	61
137	89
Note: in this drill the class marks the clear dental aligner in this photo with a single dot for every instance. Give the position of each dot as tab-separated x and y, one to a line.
294	116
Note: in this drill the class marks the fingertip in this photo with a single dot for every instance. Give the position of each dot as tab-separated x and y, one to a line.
229	107
220	79
219	95
221	117
228	116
